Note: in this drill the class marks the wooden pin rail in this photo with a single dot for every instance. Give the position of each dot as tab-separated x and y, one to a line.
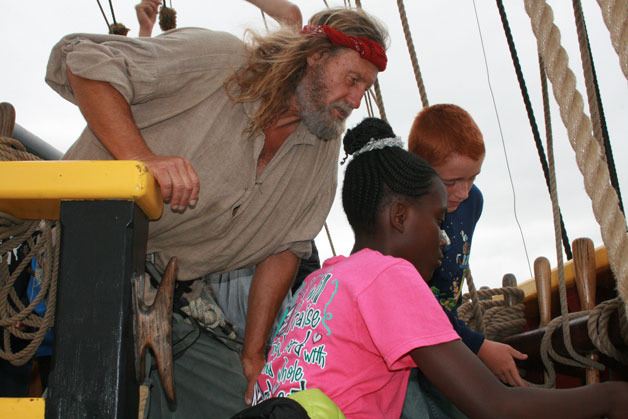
589	281
103	208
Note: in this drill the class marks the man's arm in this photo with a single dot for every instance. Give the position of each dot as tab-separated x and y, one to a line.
467	383
271	282
109	117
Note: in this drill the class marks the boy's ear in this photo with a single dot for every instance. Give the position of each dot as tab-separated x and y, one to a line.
398	213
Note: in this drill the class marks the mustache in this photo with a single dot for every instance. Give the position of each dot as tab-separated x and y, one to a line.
343	107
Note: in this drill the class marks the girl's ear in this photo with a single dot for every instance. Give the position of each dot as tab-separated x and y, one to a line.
398	213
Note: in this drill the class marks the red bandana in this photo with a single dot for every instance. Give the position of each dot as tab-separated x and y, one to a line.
367	48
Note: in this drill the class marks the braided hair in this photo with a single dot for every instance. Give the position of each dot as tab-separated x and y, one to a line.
374	177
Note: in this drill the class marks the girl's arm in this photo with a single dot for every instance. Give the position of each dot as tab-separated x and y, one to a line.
467	383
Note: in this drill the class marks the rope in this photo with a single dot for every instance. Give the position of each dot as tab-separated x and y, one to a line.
38	240
588	156
576	359
379	100
496	319
531	118
597	326
615	13
600	132
412	52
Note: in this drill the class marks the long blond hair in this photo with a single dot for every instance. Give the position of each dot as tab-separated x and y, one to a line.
277	61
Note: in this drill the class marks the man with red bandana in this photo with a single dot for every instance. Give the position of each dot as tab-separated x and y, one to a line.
243	141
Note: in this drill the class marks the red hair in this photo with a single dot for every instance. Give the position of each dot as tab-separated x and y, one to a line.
439	131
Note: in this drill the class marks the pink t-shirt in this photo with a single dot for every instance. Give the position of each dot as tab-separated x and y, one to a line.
349	334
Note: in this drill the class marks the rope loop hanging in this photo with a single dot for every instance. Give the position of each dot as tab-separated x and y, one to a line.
31	239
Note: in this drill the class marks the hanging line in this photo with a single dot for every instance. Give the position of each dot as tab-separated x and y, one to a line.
501	135
616	20
576	359
412	52
377	95
533	125
588	154
103	14
596	109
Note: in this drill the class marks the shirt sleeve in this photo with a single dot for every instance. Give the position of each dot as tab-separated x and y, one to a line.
180	63
401	314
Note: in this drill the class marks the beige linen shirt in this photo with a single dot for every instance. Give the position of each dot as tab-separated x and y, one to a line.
174	84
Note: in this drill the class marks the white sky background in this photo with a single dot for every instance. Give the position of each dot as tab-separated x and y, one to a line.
450	55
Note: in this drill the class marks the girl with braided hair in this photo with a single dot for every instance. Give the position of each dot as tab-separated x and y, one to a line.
355	329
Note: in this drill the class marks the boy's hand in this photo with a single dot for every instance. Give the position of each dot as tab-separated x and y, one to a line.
499	358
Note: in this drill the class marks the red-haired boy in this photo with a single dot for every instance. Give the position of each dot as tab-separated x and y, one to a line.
448	138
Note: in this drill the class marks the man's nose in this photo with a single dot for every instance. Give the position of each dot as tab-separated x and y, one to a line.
354	98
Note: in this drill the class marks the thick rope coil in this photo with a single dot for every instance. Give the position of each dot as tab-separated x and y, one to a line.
597	326
412	52
615	13
15	318
496	319
38	238
588	154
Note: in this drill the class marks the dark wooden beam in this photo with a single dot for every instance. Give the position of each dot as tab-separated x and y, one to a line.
103	249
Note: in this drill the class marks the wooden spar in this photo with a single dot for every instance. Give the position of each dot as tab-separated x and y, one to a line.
542	277
584	263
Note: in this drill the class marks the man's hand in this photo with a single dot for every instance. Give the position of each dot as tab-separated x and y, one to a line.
251	366
271	282
499	358
146	12
178	181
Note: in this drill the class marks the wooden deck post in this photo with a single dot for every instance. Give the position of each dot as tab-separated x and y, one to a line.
103	249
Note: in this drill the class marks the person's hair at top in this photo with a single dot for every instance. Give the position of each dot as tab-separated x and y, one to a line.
277	61
373	178
441	130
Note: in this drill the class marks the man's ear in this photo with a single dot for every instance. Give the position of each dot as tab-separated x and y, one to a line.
315	57
398	214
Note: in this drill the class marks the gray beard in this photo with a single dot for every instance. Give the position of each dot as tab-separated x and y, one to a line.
314	113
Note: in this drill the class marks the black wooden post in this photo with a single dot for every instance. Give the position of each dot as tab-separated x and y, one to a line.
103	248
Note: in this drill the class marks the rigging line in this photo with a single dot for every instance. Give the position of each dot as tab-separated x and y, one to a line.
113	14
412	52
377	96
103	14
594	97
264	19
531	118
501	135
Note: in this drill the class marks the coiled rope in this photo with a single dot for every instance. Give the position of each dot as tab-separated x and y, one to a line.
495	319
39	240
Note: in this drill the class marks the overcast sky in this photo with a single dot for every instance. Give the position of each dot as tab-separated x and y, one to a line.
450	55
